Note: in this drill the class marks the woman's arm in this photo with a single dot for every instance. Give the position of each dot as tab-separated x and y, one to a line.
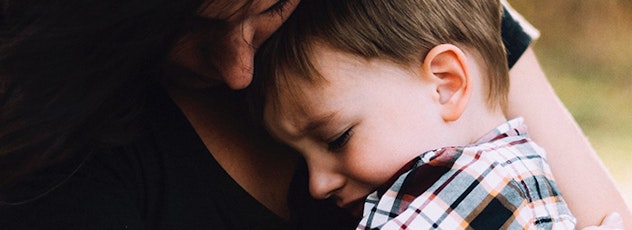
584	181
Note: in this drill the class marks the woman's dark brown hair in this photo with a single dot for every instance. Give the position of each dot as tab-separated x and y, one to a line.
73	75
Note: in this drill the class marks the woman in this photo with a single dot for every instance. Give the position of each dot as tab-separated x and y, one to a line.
123	114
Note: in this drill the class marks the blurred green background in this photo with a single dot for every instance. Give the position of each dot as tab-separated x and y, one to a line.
585	48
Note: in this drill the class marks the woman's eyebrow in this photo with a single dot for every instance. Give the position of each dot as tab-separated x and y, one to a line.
225	10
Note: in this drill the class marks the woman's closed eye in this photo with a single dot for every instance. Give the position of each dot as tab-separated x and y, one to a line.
277	8
340	142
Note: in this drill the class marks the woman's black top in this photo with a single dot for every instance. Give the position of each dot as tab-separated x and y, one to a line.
167	179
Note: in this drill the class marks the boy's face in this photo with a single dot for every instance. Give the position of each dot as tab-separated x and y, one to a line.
358	127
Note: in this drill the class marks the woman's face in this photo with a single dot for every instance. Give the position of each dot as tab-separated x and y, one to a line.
221	45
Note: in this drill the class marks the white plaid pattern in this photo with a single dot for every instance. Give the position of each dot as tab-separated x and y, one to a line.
502	181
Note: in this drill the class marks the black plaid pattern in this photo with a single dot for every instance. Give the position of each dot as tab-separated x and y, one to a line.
501	182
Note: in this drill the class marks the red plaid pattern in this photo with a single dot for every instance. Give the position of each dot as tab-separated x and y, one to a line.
501	182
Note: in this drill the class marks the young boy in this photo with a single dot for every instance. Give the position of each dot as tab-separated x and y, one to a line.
364	88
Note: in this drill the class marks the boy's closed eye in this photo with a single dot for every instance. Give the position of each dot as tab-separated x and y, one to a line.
340	141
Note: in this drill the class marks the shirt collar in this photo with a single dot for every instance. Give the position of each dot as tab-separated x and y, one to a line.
513	127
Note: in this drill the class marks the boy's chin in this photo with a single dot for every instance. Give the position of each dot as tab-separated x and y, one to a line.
355	208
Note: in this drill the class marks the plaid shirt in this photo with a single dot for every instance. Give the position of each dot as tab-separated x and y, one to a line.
501	182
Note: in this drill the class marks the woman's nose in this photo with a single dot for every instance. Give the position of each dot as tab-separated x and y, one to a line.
324	183
238	66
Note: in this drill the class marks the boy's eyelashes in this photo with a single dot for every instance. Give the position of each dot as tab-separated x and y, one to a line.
339	142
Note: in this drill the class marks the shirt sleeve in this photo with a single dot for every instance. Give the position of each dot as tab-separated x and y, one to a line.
517	34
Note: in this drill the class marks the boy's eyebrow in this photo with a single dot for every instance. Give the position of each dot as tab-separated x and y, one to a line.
316	122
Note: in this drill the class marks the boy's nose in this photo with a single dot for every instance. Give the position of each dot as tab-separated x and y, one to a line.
323	183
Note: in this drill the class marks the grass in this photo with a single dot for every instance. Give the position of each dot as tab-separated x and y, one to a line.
585	50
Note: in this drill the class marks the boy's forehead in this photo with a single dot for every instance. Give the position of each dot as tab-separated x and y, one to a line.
295	117
295	95
286	112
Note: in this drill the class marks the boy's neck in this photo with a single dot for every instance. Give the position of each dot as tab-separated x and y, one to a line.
480	121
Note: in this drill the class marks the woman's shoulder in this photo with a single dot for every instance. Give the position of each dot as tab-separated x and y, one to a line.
163	178
80	193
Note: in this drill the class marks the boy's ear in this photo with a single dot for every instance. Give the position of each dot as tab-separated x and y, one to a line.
447	67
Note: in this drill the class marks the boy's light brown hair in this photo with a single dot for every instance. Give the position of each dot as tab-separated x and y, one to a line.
400	31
